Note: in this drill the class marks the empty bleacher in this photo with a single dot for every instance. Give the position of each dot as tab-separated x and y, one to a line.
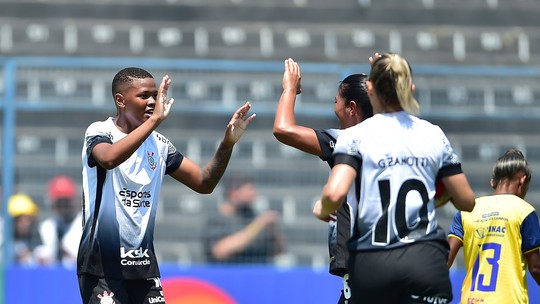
340	42
426	31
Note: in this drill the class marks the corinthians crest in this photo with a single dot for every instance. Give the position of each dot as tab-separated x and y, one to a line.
151	160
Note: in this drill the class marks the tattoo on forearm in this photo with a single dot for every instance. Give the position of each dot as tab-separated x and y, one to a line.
216	167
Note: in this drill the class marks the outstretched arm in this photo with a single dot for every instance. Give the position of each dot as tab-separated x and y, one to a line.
285	128
460	191
204	180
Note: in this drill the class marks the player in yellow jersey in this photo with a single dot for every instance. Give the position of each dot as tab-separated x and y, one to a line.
500	237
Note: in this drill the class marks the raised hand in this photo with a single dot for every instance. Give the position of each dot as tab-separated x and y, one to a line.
163	105
292	76
238	123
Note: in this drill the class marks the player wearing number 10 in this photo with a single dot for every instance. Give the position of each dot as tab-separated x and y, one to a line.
499	237
389	164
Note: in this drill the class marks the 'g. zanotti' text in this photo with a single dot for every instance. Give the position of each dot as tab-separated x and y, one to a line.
412	161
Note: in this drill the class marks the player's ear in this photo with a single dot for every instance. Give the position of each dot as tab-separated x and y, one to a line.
119	100
369	87
353	107
523	179
523	187
491	183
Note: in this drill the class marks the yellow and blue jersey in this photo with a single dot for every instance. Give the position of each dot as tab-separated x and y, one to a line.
495	236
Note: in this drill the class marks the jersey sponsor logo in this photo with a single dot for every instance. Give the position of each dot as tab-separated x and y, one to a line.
170	146
491	214
430	300
151	162
131	198
411	161
161	138
134	257
134	253
156	299
475	300
490	217
496	229
482	232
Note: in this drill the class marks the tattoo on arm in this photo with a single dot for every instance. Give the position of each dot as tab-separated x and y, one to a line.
215	169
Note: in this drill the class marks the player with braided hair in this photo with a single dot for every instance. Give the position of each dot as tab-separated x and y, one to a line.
499	237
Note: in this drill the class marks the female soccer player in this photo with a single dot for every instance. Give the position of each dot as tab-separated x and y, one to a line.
499	237
389	165
124	161
351	106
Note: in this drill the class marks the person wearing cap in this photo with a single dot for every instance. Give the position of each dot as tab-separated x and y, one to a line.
61	232
26	238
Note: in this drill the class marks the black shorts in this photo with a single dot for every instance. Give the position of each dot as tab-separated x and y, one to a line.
412	274
96	290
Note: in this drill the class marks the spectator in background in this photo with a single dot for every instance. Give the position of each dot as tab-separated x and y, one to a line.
26	238
238	234
61	233
500	237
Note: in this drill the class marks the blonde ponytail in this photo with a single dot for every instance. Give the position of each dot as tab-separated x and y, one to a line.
392	78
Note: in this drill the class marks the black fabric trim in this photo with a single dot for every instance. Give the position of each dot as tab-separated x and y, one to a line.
173	162
101	175
324	139
449	171
340	252
85	267
91	143
347	159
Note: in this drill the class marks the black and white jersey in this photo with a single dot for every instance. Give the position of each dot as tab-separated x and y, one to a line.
120	205
398	158
339	231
